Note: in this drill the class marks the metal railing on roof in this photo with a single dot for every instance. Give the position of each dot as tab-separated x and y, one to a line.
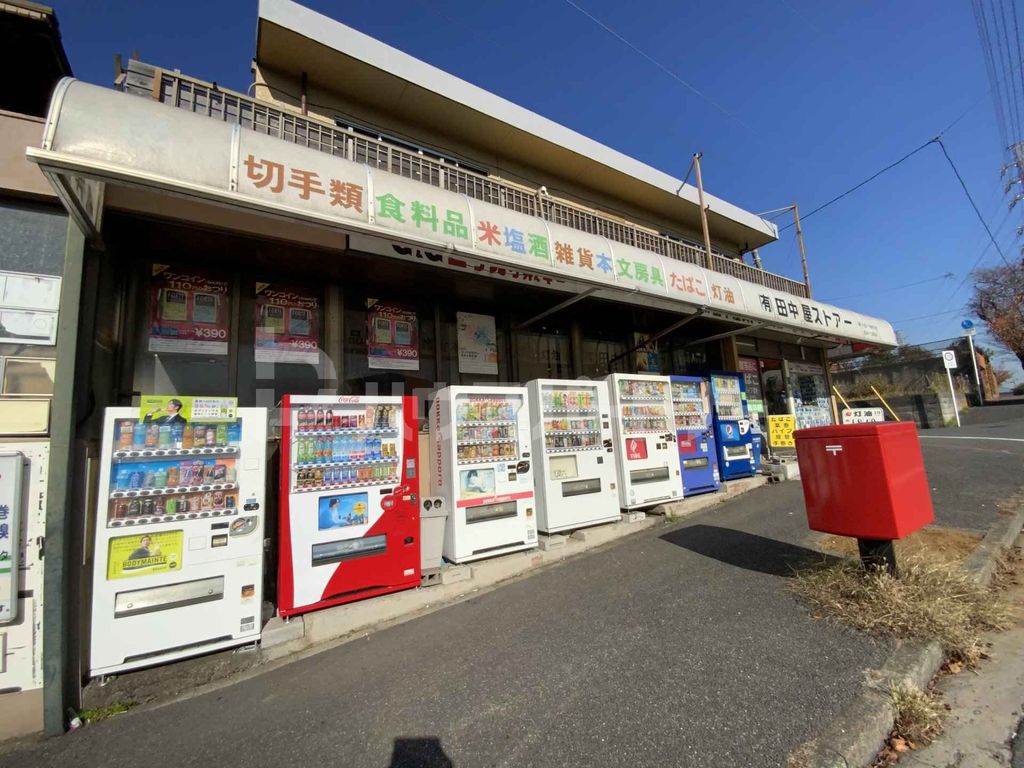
203	98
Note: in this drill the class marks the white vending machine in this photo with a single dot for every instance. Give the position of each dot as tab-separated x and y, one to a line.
480	448
645	440
573	454
178	561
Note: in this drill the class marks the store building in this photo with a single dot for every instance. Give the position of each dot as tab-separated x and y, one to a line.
343	227
33	232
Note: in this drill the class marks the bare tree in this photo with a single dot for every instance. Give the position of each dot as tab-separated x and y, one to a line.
999	301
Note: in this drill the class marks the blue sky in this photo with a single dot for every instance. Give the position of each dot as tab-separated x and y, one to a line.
809	99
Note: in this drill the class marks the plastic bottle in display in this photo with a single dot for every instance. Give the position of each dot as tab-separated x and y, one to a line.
186	436
152	435
124	479
125	434
139	436
222	434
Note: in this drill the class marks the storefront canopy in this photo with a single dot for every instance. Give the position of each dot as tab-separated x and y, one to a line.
96	136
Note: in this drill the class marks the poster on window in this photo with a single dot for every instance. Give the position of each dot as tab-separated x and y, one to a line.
478	343
188	311
392	335
287	325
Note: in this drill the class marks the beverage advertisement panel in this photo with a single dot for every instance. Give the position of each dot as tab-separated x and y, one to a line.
392	335
188	311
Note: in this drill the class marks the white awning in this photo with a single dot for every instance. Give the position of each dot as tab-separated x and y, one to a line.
97	136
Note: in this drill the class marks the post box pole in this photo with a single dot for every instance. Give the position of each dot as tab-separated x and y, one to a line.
875	553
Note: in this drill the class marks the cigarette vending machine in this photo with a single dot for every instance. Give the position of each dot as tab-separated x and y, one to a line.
645	440
573	454
695	437
349	516
178	561
480	446
732	426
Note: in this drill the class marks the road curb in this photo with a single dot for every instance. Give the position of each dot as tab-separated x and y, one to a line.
854	738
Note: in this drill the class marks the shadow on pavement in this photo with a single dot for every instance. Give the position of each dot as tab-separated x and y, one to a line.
419	752
745	550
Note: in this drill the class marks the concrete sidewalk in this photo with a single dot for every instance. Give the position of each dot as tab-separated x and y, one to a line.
680	645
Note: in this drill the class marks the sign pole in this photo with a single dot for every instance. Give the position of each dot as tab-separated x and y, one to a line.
974	362
952	393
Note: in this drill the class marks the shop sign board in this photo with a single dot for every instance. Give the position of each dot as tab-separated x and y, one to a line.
287	325
248	168
182	409
392	335
12	469
478	343
862	415
780	431
188	311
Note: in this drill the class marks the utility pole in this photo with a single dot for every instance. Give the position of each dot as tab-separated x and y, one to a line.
803	253
703	211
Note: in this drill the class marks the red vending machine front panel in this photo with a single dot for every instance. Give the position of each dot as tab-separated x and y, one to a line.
349	515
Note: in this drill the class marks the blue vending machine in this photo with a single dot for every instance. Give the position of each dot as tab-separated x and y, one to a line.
695	437
733	433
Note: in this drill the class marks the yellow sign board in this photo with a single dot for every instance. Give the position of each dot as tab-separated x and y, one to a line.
143	554
780	431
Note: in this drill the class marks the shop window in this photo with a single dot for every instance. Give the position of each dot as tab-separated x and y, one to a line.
603	356
185	340
775	400
543	356
807	387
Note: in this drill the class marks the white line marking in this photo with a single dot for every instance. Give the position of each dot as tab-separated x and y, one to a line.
968	437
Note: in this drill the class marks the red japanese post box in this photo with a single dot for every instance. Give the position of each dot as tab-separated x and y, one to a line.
864	480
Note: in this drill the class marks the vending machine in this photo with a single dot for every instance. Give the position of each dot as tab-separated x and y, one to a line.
733	431
178	559
645	440
573	454
695	436
480	446
349	516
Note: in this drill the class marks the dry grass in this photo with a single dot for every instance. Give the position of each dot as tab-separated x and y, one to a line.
918	715
929	600
942	545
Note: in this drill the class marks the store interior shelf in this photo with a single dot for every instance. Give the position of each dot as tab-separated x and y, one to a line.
170	453
153	519
142	492
353	463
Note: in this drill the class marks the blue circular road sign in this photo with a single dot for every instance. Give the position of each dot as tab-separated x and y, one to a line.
967	324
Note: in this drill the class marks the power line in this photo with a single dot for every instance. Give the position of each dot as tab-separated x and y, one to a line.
938	140
946	276
925	317
660	66
858	186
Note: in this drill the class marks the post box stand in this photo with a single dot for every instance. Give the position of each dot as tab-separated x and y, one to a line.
866	481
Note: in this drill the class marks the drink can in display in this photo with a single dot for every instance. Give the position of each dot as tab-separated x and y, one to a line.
149	479
121	509
218	499
219	472
125	434
177	436
172	477
229	501
186	437
234	432
139	436
152	435
159	508
211	436
230	474
171	506
148	507
221	435
160	477
206	503
134	508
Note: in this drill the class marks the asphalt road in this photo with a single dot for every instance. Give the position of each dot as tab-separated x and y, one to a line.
678	646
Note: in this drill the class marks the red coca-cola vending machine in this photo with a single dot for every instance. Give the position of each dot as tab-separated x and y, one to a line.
349	517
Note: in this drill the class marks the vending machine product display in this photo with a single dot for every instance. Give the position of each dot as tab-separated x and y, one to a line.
178	559
349	516
695	436
645	440
733	431
573	454
480	446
